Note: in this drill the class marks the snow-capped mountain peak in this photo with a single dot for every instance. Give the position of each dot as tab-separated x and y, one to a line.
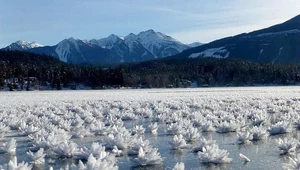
155	35
130	36
150	31
159	44
63	49
23	45
107	42
71	39
68	48
29	44
114	37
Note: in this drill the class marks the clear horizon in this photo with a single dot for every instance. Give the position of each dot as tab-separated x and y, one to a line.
50	22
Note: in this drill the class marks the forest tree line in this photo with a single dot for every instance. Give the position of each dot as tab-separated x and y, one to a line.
21	66
210	72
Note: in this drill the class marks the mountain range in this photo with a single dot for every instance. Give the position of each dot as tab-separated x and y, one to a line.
114	49
276	44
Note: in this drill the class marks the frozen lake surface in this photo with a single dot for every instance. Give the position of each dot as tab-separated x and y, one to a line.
84	117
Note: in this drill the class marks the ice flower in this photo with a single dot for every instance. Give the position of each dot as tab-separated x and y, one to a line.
65	124
191	134
153	128
287	145
98	128
212	154
28	129
38	157
65	149
50	140
137	144
15	123
9	147
143	112
202	144
207	126
117	152
3	129
297	124
14	165
96	150
280	128
258	133
81	132
179	166
226	127
148	158
244	137
174	129
138	130
178	142
259	119
77	122
128	116
293	164
122	141
160	118
95	164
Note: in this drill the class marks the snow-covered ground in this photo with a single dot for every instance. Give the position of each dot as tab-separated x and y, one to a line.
156	128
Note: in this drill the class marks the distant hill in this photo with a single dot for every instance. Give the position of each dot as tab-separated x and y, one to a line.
276	44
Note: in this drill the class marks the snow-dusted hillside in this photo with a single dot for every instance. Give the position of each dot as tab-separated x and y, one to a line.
275	44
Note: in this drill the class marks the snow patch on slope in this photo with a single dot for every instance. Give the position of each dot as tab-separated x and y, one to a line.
279	54
220	52
279	33
260	53
74	42
145	53
63	51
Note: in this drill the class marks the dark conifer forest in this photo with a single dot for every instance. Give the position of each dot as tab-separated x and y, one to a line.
21	66
28	71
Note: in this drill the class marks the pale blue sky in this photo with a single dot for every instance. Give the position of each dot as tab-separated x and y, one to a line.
49	21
